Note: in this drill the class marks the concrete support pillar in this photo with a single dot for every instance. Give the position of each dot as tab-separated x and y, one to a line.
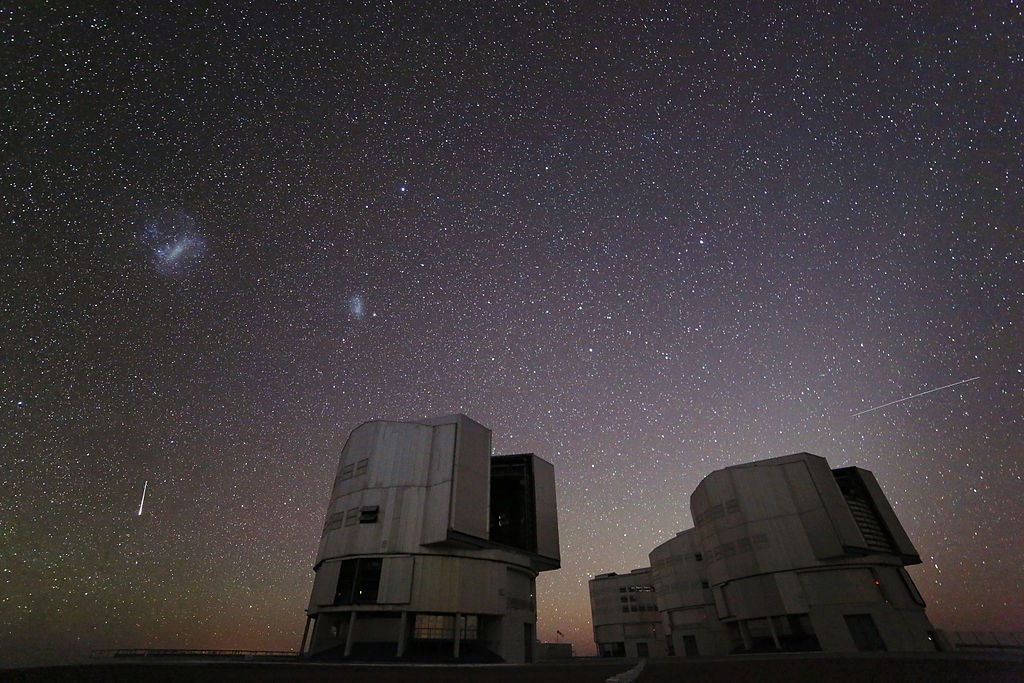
748	643
775	635
305	633
403	634
350	636
458	635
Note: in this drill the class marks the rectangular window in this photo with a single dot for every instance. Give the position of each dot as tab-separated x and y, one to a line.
442	627
865	634
352	516
469	626
368	514
335	521
434	627
346	472
361	467
358	581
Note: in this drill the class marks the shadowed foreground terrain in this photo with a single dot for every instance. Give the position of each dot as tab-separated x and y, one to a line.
839	669
876	669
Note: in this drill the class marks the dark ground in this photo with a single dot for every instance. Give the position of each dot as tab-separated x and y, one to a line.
837	669
831	669
595	671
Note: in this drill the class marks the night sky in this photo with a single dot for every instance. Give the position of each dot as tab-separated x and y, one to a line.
643	243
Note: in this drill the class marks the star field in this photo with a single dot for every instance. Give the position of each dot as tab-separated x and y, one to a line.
643	243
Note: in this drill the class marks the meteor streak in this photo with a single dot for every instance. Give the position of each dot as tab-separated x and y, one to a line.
907	398
143	502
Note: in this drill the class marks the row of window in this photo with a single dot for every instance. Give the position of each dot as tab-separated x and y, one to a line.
791	632
686	585
359	584
367	514
635	598
671	560
730	506
353	469
442	627
639	608
636	589
740	545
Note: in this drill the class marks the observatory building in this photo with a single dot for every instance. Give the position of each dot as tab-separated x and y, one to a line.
431	546
786	554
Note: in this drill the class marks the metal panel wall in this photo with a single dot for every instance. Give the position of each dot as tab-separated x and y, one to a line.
546	509
396	580
472	475
325	584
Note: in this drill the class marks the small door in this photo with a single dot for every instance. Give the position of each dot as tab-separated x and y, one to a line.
690	646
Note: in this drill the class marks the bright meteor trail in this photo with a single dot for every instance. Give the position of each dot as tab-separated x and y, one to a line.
143	501
901	400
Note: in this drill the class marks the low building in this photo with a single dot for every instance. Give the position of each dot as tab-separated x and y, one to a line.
431	546
625	614
547	652
787	554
